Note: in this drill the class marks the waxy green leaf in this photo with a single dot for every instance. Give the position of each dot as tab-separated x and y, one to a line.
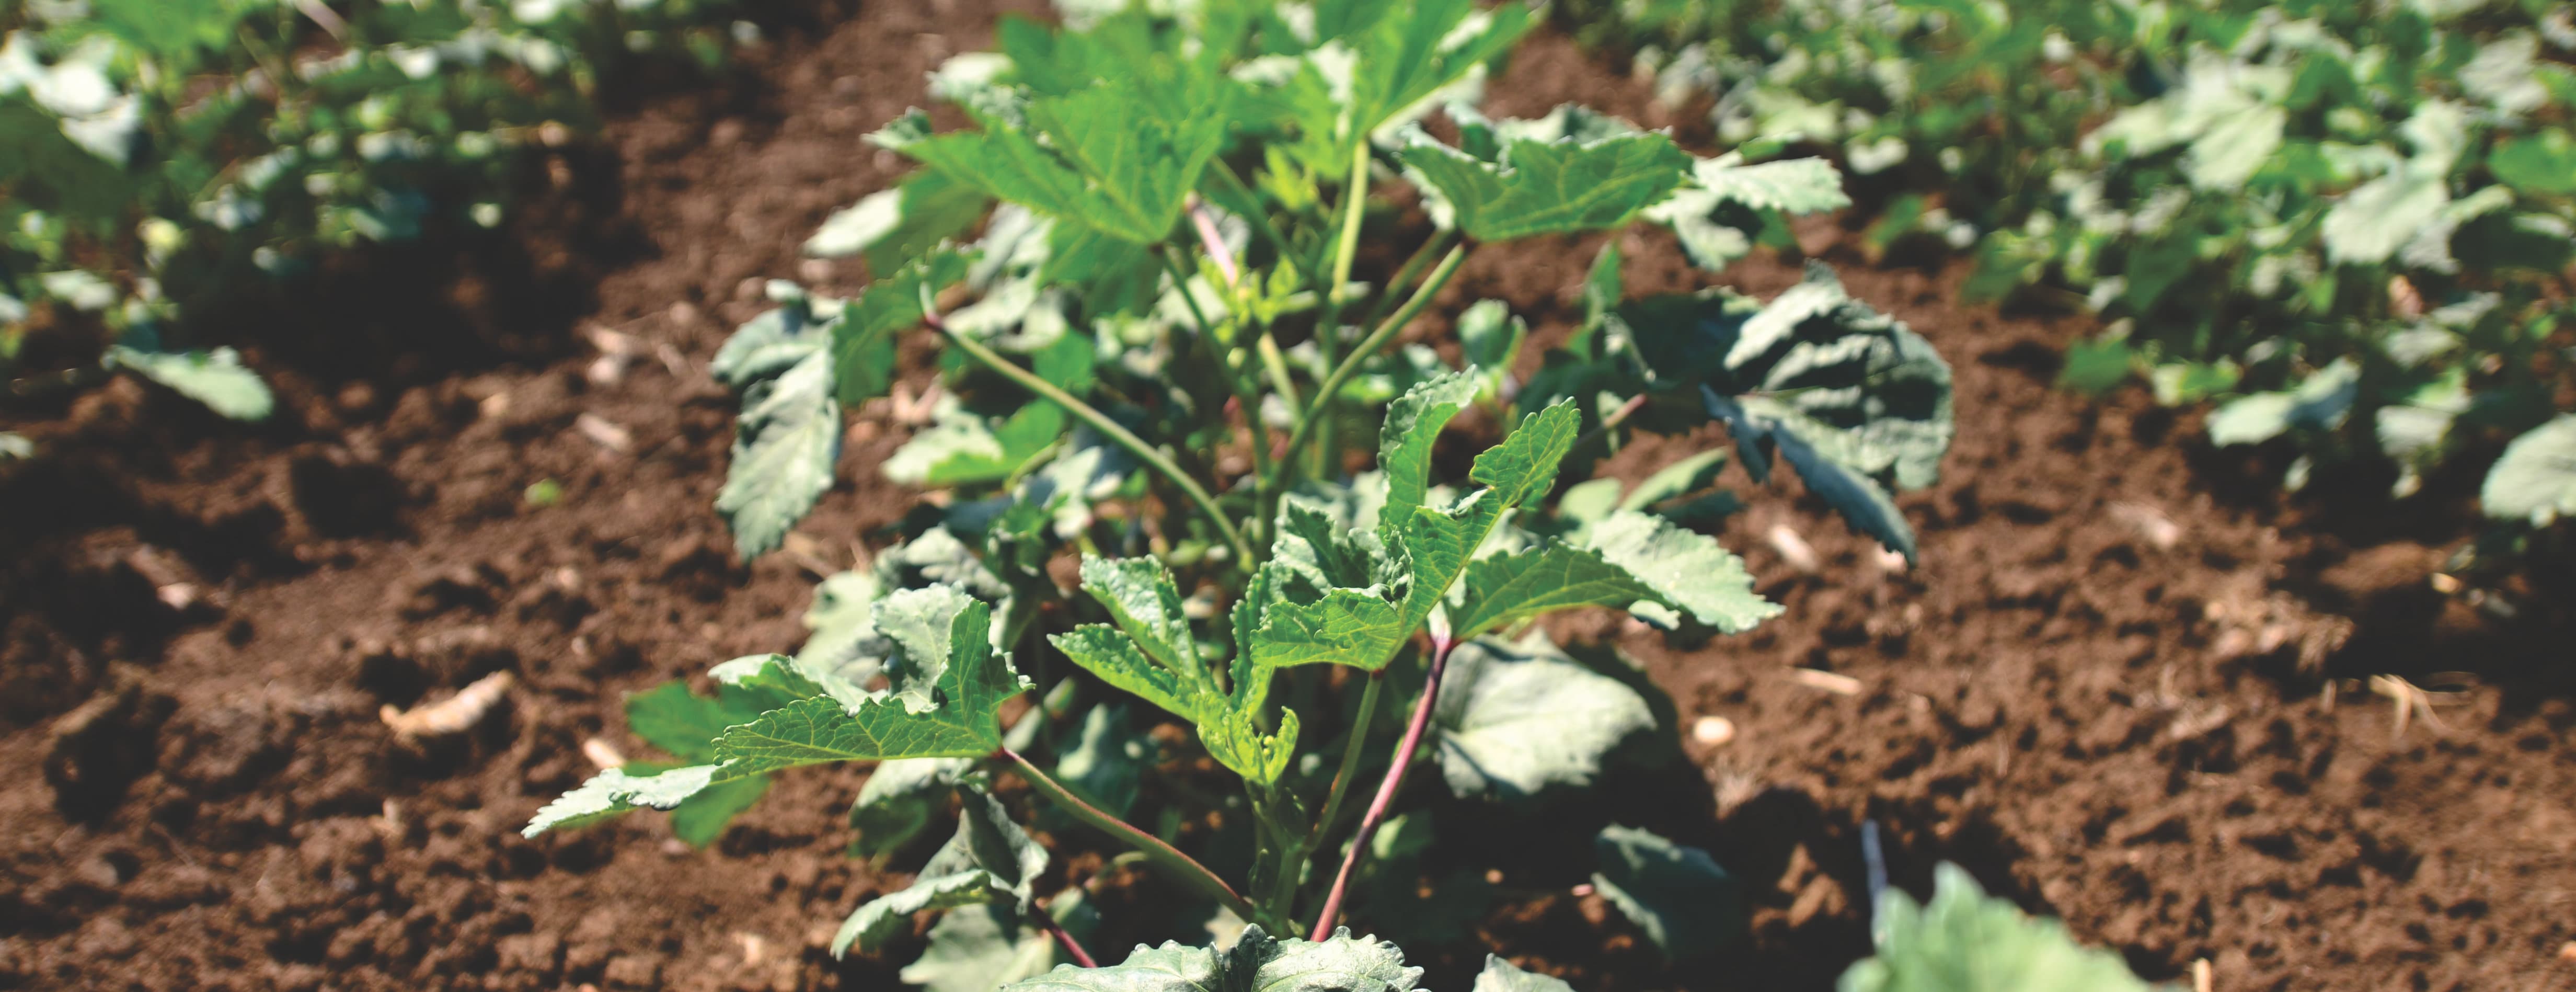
1793	186
1116	157
1153	654
1626	560
1422	549
1850	397
989	860
1514	719
1965	941
937	625
215	378
1503	976
893	227
1686	904
1550	188
2536	479
863	339
785	443
1258	962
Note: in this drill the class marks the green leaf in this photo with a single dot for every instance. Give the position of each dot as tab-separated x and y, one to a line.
1629	560
989	860
1117	156
962	447
947	637
2536	478
1104	651
703	817
1514	719
2097	366
215	378
2368	225
2235	147
1490	338
1676	480
899	800
1107	760
1684	902
982	948
843	651
1852	399
863	339
1423	549
1967	942
892	227
1502	976
785	443
878	918
773	342
2320	402
1153	654
1256	963
1144	602
616	791
1795	186
1546	188
1683	569
2541	162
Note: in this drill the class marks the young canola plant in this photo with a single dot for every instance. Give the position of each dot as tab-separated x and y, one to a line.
1158	363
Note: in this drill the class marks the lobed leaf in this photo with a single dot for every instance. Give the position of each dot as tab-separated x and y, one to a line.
1550	188
968	689
785	443
1256	963
1117	156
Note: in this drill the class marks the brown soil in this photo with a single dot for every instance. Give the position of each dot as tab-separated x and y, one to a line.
2132	734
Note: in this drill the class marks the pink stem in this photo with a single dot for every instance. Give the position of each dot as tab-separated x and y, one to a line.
1386	789
1214	241
1081	957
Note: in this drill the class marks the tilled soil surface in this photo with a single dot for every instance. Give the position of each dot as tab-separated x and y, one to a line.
2119	686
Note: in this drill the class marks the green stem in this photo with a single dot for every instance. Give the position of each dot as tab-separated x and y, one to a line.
1164	856
1328	329
1412	267
1354	197
1259	220
1352	747
1099	421
1377	339
1244	393
1276	365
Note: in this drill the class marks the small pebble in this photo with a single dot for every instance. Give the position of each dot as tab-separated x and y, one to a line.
1794	550
2567	952
1713	730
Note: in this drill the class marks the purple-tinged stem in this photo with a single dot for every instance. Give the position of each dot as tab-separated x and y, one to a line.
1073	947
1386	789
1214	241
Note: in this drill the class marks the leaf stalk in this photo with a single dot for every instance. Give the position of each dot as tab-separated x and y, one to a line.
1117	433
1317	408
1386	788
1164	856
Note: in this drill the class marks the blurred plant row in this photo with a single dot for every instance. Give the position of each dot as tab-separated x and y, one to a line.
2348	223
155	152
